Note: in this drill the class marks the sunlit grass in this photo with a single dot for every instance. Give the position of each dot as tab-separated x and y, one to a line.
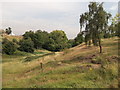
67	69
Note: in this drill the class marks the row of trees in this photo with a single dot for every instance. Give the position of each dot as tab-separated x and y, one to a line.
53	41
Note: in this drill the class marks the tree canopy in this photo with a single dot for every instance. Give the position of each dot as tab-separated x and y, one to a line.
95	22
26	45
57	41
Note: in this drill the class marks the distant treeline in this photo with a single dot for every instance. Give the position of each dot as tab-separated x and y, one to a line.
53	41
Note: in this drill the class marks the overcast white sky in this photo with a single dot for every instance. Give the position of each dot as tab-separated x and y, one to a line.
48	16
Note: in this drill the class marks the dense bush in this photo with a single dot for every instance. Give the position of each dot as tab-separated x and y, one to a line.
26	45
15	41
39	38
54	41
79	39
71	43
8	47
57	41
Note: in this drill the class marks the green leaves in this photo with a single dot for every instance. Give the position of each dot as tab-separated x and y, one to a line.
54	41
26	45
58	41
95	21
8	47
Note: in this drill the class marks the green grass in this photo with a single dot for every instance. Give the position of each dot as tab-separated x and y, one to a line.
30	58
81	70
39	52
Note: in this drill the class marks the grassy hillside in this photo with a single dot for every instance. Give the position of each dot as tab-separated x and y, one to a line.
78	67
10	37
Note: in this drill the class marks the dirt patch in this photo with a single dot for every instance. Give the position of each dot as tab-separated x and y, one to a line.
113	58
82	68
81	59
90	57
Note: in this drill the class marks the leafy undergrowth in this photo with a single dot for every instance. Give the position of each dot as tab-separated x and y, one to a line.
78	67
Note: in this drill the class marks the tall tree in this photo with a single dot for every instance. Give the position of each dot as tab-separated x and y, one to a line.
95	22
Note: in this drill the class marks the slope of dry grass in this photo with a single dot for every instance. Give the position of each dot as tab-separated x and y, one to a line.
11	37
78	67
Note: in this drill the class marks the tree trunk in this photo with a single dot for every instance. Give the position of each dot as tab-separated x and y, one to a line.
100	49
41	66
100	46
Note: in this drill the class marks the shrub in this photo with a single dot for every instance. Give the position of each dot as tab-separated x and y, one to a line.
26	45
57	41
78	40
15	41
71	43
8	47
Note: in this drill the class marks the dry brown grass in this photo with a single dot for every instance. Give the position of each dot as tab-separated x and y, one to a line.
62	67
10	37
